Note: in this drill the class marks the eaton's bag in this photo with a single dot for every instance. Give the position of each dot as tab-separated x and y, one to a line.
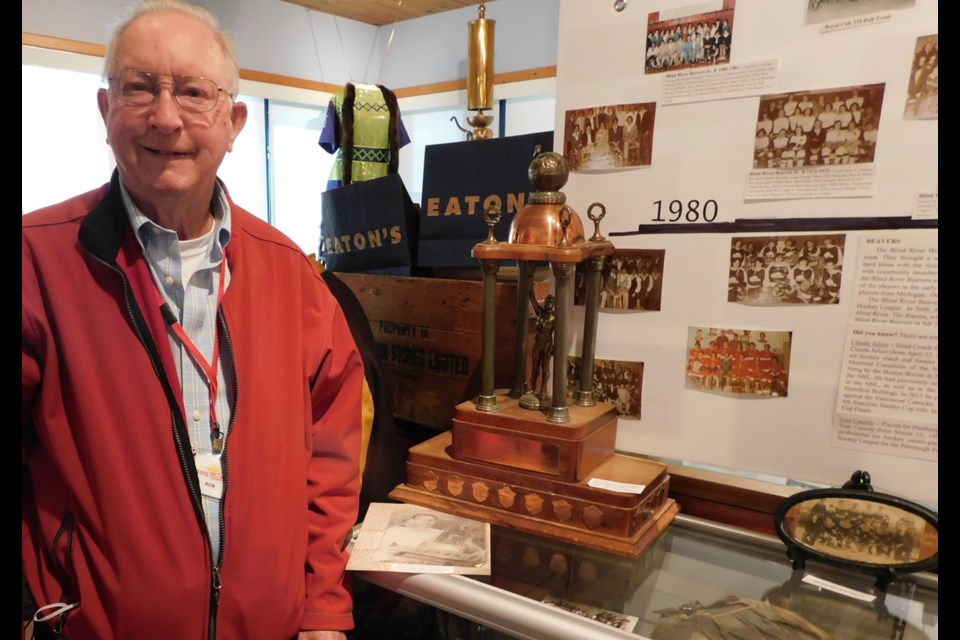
369	227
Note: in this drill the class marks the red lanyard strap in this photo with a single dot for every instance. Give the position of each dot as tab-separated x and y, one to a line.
208	369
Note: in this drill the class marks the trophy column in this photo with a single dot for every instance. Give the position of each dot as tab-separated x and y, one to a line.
520	356
558	412
585	397
487	400
594	265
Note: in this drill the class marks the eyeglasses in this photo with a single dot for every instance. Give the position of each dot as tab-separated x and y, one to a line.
141	89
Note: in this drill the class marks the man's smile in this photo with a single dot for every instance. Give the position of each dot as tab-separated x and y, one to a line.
169	153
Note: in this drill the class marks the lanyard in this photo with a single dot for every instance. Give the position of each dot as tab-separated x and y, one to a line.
209	369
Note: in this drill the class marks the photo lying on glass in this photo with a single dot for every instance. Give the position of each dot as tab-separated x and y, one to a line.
614	619
688	36
829	10
413	539
818	127
618	382
923	101
609	137
738	361
631	279
776	270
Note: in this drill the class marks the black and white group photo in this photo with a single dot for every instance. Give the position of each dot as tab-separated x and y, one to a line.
777	270
632	279
695	40
861	531
923	99
609	137
818	127
618	382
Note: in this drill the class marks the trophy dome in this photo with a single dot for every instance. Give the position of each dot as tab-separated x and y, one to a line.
546	219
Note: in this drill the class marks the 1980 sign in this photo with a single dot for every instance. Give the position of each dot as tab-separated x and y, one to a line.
689	211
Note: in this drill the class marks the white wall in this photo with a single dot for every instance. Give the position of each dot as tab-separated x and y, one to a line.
704	150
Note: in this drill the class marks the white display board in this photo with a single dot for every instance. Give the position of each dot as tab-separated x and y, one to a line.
703	150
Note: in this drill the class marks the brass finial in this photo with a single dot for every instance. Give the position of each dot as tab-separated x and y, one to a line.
596	220
566	217
491	216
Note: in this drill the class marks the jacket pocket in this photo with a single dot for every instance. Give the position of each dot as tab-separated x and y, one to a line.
62	561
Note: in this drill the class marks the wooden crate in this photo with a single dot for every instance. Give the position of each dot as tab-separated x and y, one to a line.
428	333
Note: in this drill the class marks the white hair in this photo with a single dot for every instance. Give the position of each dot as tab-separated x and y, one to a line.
198	13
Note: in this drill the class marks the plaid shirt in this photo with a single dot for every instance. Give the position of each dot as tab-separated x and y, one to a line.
195	305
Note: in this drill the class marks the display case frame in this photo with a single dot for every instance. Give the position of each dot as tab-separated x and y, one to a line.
694	560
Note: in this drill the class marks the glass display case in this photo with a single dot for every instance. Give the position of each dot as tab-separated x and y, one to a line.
544	589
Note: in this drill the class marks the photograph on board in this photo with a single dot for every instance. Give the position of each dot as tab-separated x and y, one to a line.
818	127
632	279
687	37
618	382
609	137
738	361
829	10
780	270
923	100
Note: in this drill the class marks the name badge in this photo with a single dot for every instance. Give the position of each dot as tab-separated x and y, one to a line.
211	475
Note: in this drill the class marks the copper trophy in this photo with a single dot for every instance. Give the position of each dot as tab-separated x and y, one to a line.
530	457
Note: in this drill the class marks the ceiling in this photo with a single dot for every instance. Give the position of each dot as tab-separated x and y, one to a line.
381	12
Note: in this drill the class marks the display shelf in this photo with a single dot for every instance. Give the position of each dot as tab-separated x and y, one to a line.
694	560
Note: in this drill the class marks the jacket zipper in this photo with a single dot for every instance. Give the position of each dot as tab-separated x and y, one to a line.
224	469
185	461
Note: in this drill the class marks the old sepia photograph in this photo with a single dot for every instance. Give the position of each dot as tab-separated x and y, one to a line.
618	382
818	127
862	531
779	270
414	539
688	37
923	102
632	279
738	361
609	137
829	10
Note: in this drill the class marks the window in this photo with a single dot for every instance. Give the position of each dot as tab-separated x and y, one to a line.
299	171
277	169
63	148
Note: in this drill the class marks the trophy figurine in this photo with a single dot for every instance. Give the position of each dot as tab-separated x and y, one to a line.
546	313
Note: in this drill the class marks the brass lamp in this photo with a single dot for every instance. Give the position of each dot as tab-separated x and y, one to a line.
481	35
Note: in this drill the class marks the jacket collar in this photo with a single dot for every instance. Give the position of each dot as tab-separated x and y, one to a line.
103	230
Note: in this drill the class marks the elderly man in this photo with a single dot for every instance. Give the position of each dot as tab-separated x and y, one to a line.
191	392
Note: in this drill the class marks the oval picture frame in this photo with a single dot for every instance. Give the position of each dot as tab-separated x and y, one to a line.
861	529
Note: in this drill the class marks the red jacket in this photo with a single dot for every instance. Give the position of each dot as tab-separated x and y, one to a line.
111	514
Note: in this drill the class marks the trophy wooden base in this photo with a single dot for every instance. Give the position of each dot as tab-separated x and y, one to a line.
524	440
576	512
